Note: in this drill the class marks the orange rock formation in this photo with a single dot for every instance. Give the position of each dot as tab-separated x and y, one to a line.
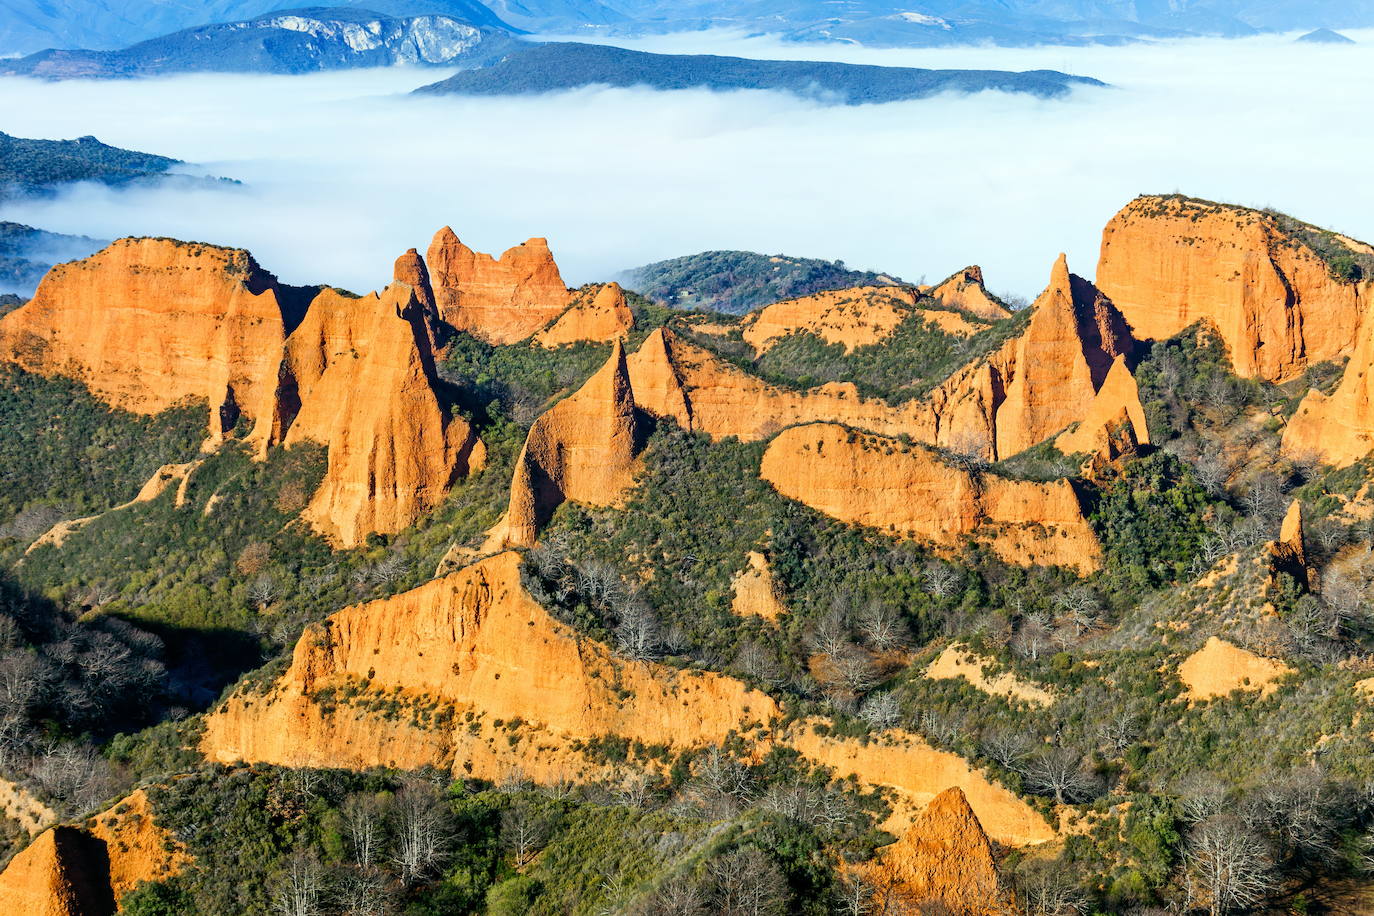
857	317
965	290
1114	408
1220	667
501	301
1338	429
597	315
943	862
918	773
74	871
583	449
148	323
909	490
473	641
1168	262
756	594
362	373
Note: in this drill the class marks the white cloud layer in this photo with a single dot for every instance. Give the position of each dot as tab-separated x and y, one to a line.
342	172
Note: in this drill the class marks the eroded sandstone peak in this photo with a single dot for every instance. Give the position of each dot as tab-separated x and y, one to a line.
501	300
944	861
597	315
1051	373
363	375
911	491
1114	416
1338	429
965	290
583	449
1168	262
83	871
148	323
410	269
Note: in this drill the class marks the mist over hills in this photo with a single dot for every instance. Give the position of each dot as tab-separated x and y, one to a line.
570	65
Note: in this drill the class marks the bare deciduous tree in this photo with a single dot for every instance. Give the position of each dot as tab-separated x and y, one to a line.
748	883
525	831
363	820
300	887
1227	866
1060	772
881	710
882	626
941	579
419	825
1011	748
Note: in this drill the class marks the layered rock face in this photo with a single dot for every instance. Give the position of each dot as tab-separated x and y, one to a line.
363	374
473	641
1338	429
147	323
965	291
74	871
583	449
943	862
910	491
1168	262
597	315
756	593
501	300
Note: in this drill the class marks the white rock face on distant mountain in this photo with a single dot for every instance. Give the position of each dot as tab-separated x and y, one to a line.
421	40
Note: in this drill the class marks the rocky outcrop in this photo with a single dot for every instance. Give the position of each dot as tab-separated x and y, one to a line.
911	491
1114	416
1220	667
966	292
61	873
598	315
943	863
475	646
756	594
962	663
501	300
701	392
917	773
362	373
1289	553
148	323
1058	364
857	317
84	871
1338	429
1168	262
583	449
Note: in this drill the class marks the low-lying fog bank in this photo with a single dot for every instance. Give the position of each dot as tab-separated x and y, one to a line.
342	172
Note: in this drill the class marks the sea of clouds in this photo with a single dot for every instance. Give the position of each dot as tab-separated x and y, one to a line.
342	172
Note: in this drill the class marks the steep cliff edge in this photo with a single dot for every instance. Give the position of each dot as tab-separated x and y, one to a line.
943	861
597	315
1338	429
1115	407
582	449
910	491
501	300
147	323
1168	262
473	642
363	375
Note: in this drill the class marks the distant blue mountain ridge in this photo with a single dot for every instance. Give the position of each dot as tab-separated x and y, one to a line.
27	26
